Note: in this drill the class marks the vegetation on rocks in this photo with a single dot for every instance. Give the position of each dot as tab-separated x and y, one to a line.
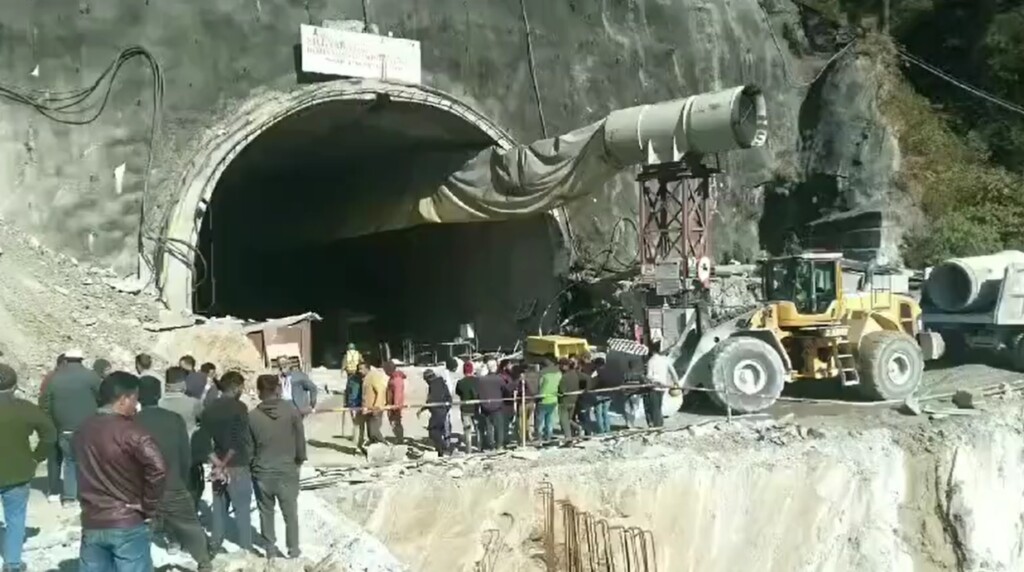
963	154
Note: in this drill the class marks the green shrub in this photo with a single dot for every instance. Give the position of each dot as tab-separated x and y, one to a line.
970	205
954	234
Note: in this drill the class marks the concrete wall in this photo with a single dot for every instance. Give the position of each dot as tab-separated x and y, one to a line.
592	57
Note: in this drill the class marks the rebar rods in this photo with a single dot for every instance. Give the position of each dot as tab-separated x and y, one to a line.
589	543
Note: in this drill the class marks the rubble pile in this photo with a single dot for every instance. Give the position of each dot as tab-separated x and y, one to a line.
50	302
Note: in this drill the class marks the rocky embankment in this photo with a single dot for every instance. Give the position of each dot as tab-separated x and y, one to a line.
899	494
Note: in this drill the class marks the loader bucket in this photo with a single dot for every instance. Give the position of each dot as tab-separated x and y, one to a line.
697	365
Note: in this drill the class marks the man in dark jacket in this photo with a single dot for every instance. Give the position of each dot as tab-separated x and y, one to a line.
491	389
226	422
122	476
197	382
71	398
466	389
144	368
568	396
177	507
55	459
279	449
19	419
296	386
440	399
608	377
631	395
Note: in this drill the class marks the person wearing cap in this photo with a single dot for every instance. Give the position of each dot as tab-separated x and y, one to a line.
352	361
19	419
438	403
71	398
177	514
55	459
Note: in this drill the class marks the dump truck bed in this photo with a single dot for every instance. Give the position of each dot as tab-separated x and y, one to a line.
556	346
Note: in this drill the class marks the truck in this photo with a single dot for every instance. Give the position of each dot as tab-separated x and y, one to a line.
977	305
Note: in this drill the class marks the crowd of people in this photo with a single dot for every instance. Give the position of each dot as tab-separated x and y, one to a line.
128	451
133	452
500	402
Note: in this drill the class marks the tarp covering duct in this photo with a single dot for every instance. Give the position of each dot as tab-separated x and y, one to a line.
525	180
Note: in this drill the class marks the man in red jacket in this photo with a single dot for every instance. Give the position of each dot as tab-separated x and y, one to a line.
121	475
396	399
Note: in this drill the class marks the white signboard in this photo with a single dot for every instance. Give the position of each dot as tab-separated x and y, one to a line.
355	54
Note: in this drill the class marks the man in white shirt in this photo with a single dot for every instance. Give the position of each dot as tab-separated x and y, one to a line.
661	371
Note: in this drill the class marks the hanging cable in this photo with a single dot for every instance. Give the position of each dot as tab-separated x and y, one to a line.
531	61
991	98
907	56
77	107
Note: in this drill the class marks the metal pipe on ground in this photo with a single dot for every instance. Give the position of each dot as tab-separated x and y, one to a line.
969	284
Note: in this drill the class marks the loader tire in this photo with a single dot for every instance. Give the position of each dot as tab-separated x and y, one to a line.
890	364
747	375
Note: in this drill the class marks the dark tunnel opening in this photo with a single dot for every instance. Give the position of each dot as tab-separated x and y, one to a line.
285	232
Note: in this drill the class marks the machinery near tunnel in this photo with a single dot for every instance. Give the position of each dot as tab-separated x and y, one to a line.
977	304
462	194
824	318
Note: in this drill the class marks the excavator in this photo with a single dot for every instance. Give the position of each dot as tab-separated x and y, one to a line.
823	318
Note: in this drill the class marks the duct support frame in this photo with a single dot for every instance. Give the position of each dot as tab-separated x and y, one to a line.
221	143
676	212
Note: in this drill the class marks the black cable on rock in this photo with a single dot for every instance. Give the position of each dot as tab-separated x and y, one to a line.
540	109
79	107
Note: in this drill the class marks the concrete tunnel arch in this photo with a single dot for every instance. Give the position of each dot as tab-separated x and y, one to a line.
226	142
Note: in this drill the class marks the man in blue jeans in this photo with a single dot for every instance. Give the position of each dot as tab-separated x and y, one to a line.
19	419
121	475
609	376
226	421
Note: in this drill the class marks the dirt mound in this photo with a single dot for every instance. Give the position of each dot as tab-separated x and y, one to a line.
224	345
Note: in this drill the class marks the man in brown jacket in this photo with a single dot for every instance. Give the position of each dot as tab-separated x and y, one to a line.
121	475
375	399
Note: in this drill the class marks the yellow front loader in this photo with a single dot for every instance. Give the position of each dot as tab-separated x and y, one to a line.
823	318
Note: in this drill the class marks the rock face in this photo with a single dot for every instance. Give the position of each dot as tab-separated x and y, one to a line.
66	183
849	157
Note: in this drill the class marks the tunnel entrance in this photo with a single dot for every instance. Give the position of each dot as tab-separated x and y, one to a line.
289	228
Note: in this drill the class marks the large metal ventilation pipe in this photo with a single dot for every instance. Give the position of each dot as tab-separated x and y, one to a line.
969	284
735	118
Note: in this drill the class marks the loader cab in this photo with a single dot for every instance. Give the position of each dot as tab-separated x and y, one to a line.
806	288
